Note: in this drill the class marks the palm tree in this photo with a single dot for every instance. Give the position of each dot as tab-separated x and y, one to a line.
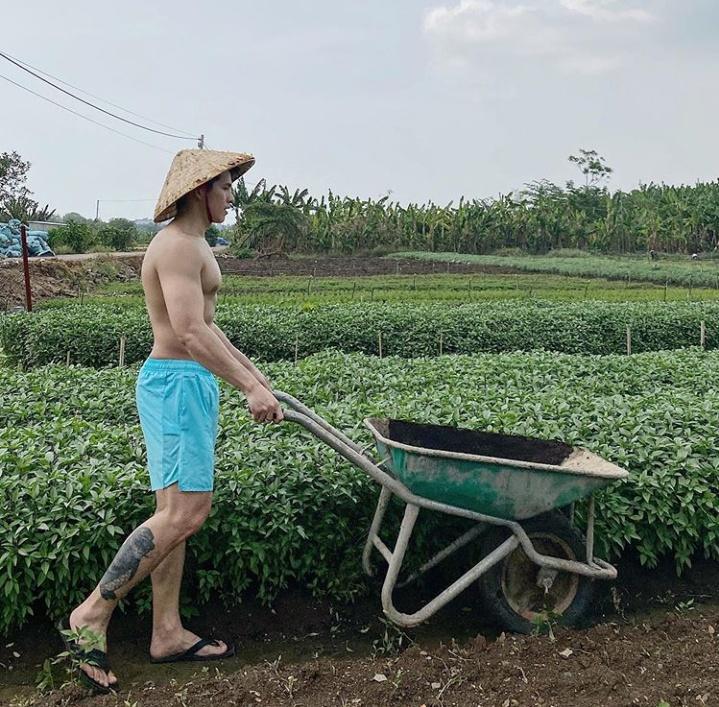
25	209
241	197
272	228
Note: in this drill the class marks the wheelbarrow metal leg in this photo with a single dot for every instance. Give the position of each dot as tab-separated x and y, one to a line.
382	504
383	549
405	533
590	531
458	544
409	620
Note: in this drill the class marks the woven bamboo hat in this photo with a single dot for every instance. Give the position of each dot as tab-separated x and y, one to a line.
192	168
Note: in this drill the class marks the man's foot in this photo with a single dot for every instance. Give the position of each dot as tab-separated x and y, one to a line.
183	645
99	675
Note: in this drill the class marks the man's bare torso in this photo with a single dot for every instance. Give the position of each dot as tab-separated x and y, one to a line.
163	249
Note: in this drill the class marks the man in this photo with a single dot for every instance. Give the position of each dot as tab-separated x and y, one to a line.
177	399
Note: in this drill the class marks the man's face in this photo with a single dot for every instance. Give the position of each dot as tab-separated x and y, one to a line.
219	198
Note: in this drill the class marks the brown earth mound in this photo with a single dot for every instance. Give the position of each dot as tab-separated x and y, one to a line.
345	266
50	277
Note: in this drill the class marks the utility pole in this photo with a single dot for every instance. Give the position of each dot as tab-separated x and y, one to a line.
26	268
201	142
97	210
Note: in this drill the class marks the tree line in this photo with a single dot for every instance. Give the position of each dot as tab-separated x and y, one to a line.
540	217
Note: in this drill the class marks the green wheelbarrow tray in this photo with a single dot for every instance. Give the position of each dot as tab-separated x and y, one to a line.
509	477
496	481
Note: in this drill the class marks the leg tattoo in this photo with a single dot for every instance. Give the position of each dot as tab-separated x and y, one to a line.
123	568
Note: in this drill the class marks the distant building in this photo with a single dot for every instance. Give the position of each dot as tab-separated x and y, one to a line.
42	225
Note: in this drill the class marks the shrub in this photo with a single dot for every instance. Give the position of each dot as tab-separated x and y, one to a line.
76	236
91	333
119	234
287	510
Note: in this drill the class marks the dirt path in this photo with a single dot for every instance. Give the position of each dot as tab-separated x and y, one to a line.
656	646
668	658
78	257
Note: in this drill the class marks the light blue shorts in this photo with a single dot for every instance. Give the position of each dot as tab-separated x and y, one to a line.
178	403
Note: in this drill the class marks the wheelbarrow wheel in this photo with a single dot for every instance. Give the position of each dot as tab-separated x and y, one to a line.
523	597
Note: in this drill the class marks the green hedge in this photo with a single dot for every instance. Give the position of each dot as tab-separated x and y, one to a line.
287	510
428	288
90	334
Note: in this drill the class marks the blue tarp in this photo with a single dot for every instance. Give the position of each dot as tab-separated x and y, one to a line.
11	246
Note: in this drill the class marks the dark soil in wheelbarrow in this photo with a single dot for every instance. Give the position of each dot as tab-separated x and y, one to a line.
453	439
656	645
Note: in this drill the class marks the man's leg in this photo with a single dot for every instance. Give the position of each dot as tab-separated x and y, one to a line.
168	635
139	555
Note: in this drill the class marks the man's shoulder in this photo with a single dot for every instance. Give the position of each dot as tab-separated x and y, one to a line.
169	241
173	250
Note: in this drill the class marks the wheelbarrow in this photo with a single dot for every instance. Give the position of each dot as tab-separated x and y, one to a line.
535	565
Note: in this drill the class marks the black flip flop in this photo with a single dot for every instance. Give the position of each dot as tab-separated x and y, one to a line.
190	655
94	657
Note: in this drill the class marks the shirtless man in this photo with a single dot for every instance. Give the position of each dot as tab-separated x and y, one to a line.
177	399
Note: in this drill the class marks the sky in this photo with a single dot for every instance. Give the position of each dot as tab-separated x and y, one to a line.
423	100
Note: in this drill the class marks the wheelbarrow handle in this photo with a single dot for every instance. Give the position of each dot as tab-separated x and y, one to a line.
341	443
302	415
297	406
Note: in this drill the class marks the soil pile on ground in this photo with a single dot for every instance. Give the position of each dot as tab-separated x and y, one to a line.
50	277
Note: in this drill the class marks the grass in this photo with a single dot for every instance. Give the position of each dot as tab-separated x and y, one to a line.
675	270
450	288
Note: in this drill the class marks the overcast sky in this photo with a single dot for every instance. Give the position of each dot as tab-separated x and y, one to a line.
431	100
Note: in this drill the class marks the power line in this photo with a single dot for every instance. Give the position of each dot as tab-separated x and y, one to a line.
92	105
84	117
103	100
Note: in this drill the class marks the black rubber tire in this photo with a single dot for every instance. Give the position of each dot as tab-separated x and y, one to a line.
508	590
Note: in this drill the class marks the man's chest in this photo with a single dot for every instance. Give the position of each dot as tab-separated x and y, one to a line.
211	276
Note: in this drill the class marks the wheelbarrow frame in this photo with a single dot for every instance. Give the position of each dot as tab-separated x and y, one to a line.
594	568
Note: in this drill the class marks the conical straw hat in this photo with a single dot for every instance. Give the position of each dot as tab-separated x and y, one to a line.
192	168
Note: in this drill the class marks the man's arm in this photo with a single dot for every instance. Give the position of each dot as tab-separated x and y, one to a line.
239	356
181	283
